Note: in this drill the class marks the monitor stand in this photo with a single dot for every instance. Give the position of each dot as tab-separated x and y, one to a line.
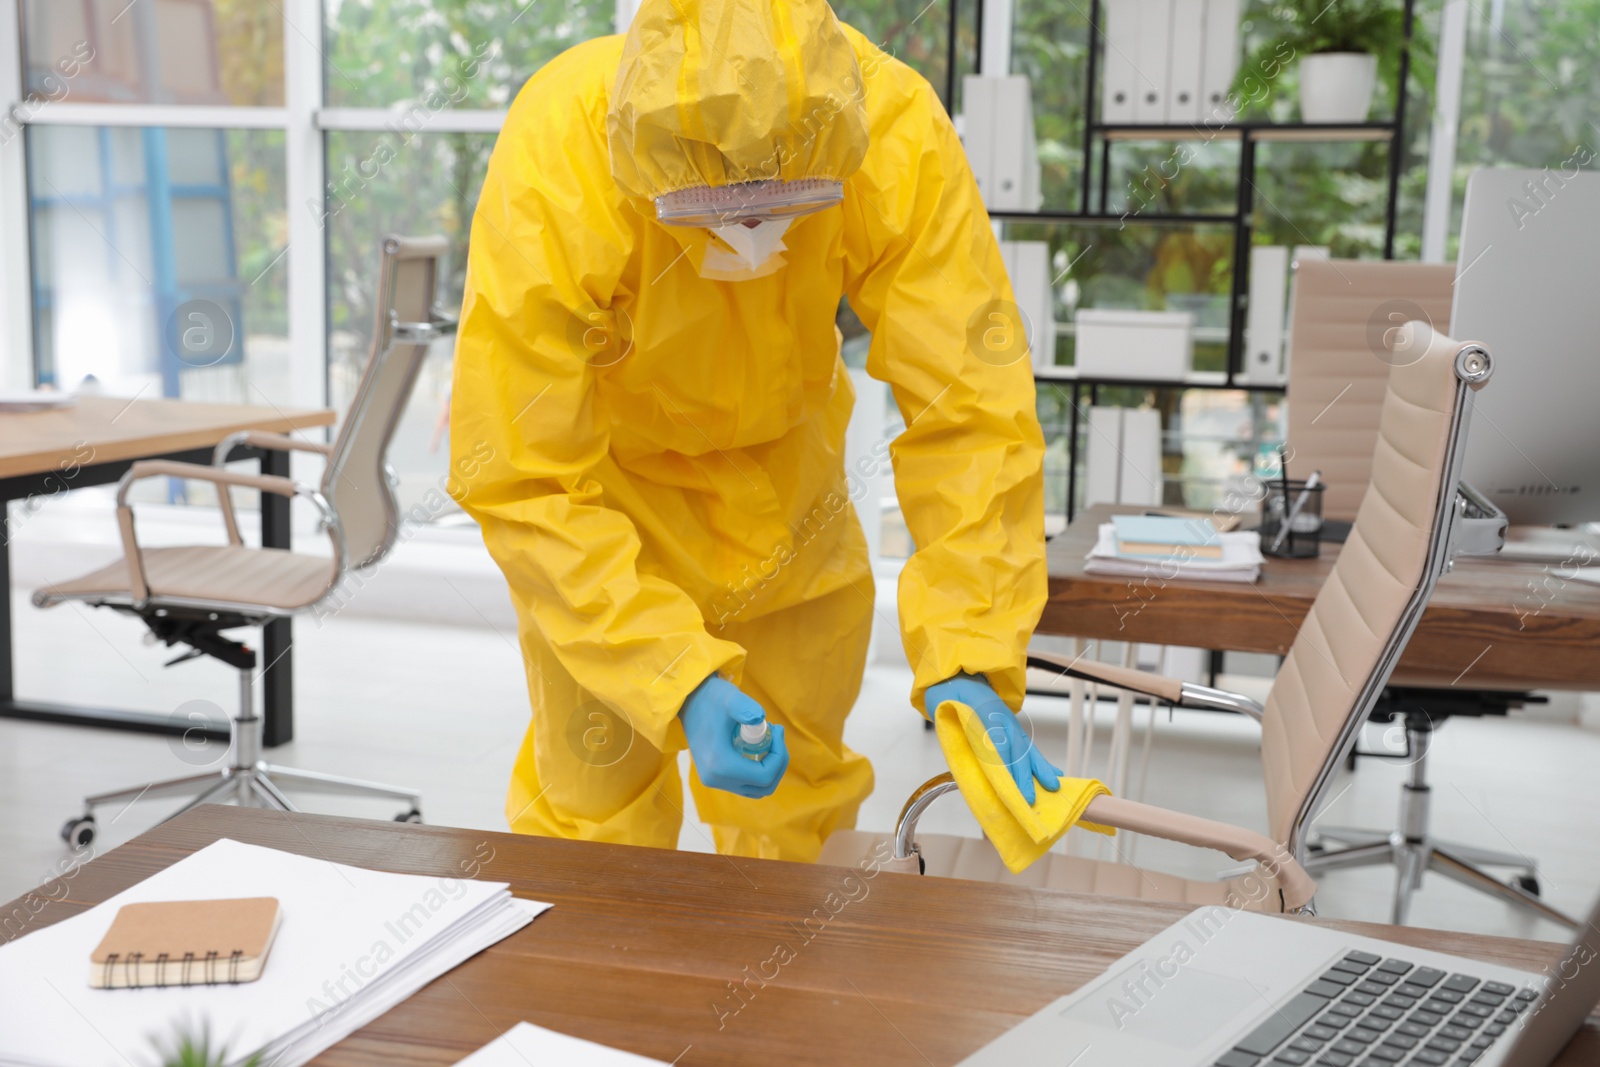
1572	546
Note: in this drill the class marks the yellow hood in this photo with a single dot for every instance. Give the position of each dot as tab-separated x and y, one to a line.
716	92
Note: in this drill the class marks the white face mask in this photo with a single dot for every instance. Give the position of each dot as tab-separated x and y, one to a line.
754	251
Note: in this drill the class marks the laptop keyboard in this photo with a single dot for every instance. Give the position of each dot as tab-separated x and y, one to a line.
1369	1011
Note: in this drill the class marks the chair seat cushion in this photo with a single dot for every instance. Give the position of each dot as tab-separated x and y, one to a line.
231	574
973	858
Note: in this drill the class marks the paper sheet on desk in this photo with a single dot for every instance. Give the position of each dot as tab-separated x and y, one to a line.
1241	560
526	1044
354	943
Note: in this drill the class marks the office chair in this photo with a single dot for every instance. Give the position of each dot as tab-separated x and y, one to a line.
190	595
1402	541
1341	311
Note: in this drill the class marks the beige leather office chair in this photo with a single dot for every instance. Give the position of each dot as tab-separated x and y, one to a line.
1342	310
191	594
1334	672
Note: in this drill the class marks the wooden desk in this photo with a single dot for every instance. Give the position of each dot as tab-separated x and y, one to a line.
94	442
1490	624
642	944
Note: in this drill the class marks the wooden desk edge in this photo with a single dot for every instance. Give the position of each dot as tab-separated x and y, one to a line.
181	438
176	838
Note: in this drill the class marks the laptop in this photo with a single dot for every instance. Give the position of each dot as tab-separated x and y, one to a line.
1228	988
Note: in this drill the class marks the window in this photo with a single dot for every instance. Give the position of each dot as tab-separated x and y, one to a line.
201	52
470	55
154	261
205	157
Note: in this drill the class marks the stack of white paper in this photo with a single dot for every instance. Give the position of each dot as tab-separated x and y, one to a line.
353	944
34	400
1241	560
526	1044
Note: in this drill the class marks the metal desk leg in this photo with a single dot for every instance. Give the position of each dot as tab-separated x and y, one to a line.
277	638
7	685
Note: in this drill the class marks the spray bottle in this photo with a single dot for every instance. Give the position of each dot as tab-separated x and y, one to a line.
753	740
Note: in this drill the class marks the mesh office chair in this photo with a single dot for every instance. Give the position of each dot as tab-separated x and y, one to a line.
191	594
1403	540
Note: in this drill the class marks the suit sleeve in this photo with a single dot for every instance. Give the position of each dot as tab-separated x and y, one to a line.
923	271
541	320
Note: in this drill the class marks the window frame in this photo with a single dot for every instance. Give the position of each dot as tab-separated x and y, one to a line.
304	121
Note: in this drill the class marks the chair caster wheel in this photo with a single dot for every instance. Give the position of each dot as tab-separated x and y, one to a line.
409	816
78	832
1528	883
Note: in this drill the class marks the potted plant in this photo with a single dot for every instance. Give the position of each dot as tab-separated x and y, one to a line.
190	1048
1342	46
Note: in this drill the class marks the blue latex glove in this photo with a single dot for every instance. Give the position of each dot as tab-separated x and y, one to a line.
1011	742
711	717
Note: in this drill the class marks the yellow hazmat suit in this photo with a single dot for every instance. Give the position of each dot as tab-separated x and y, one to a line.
656	458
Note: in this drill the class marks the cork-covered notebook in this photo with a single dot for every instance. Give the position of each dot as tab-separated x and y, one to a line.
186	942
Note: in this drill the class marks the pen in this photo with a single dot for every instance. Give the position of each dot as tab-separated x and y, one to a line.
1299	502
1283	482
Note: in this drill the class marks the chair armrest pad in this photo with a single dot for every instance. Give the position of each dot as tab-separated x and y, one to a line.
1172	690
1241	844
275	442
151	468
1155	685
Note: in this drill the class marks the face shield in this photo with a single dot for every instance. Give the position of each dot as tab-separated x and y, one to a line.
747	221
762	202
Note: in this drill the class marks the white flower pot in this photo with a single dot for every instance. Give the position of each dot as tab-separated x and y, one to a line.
1337	86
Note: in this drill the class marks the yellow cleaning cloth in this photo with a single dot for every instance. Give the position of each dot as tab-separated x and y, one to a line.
1019	832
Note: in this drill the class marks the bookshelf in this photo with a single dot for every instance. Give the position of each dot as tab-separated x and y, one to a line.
1099	141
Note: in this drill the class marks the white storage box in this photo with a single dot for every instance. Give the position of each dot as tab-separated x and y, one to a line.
1134	344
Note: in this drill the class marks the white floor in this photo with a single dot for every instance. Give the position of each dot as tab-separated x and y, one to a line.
441	708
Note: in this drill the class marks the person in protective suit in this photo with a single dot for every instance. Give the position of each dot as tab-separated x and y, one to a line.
649	419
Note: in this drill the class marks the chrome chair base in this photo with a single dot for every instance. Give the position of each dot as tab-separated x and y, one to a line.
247	780
1414	851
1411	858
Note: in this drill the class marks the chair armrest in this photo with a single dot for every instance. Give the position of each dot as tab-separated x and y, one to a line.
155	468
1240	844
1155	685
1296	885
266	483
1172	690
274	442
1203	696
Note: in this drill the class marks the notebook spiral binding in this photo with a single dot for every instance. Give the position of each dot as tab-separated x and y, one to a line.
132	963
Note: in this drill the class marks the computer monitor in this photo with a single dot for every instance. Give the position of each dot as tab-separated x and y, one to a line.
1528	287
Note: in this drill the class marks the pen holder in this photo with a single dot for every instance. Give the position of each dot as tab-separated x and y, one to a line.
1304	537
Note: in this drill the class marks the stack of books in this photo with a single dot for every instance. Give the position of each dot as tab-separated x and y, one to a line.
1166	547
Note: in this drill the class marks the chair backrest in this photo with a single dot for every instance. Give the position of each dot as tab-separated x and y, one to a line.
1366	611
1341	313
356	480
